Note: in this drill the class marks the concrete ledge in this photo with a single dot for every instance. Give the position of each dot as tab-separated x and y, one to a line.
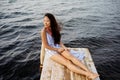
54	71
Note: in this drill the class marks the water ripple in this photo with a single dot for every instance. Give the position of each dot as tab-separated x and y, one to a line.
90	24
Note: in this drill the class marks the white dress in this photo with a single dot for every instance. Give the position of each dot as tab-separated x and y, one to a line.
78	54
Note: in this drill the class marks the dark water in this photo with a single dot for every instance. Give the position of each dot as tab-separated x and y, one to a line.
94	24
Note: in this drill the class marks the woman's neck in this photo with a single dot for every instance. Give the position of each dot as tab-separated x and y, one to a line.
49	31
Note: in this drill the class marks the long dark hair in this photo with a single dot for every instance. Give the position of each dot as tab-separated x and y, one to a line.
55	28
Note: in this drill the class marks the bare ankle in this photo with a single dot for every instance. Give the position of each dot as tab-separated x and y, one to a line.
93	76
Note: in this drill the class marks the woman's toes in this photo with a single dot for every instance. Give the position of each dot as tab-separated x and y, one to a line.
93	76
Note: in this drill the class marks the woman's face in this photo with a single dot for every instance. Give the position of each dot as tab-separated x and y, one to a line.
46	22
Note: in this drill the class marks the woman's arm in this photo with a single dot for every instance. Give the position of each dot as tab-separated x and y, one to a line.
63	46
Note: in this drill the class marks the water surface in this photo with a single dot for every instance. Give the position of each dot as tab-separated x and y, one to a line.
86	23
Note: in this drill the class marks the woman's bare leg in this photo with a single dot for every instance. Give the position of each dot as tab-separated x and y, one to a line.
77	62
60	59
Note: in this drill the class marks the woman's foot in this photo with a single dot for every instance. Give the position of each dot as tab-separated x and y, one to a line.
93	76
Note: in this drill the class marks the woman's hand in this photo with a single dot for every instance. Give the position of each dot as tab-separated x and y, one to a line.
60	50
66	49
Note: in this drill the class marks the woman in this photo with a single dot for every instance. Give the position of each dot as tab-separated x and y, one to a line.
51	40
